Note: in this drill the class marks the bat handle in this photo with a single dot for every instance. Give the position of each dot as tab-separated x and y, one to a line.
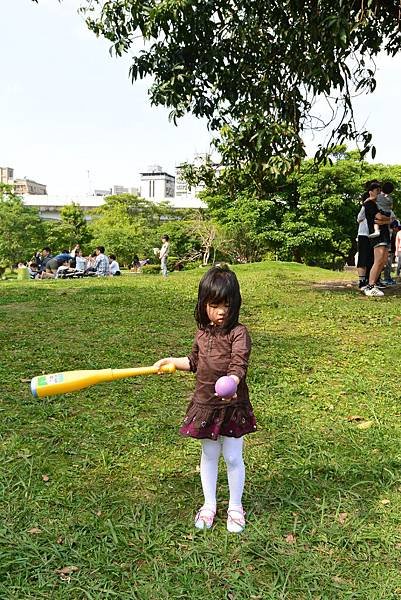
168	368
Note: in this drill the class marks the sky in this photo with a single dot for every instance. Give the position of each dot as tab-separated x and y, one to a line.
71	118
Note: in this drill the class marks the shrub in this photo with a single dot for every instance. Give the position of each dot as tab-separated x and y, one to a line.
151	269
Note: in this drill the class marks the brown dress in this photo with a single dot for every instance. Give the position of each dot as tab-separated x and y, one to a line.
214	354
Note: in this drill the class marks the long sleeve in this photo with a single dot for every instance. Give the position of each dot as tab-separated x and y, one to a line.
361	215
370	211
194	356
241	349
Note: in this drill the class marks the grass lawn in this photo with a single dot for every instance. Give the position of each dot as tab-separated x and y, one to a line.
100	481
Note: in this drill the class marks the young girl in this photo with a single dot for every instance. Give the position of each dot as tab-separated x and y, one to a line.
221	347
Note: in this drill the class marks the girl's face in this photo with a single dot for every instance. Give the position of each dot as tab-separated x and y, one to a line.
217	312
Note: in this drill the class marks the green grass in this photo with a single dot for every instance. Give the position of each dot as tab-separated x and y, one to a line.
323	495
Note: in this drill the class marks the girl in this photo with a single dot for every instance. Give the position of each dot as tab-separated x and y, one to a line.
221	347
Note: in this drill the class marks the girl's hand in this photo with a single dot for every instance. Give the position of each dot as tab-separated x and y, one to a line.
226	387
163	361
228	399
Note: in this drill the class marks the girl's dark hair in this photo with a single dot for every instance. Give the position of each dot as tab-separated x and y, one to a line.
218	285
374	186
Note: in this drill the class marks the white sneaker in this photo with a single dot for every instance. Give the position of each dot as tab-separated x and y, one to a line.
373	291
374	234
235	520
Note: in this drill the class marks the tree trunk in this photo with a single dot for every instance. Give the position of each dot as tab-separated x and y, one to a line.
297	255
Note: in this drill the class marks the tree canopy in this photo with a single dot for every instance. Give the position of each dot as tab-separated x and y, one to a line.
253	68
21	229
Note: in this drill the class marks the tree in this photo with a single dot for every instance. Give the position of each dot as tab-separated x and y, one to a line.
70	230
253	68
75	225
21	229
309	217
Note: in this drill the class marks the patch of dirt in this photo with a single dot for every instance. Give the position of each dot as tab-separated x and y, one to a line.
335	285
20	306
391	290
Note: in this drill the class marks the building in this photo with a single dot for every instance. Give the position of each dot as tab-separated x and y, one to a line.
156	184
119	189
181	186
28	186
102	192
50	206
6	175
21	186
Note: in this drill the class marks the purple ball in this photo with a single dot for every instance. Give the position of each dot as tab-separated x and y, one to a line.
225	387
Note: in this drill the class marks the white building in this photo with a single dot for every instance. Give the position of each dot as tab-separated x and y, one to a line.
119	189
156	184
181	186
50	206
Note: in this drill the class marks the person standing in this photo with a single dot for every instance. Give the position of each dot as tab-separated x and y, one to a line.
380	243
221	347
398	251
164	250
365	250
395	228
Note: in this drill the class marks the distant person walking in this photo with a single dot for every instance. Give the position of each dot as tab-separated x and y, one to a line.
164	250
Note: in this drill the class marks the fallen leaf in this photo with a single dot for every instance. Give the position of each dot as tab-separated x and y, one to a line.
398	545
67	570
34	530
365	425
339	580
342	518
25	380
99	513
45	477
355	418
290	538
59	540
385	501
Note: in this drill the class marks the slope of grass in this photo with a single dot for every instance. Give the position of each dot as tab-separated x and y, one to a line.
101	481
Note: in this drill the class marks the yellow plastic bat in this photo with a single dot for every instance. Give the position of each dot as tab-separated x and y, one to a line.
72	381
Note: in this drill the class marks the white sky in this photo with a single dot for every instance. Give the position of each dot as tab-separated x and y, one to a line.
67	108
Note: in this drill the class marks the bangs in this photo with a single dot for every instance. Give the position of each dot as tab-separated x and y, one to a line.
218	285
220	290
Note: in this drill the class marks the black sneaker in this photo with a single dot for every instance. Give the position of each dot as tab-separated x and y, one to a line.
380	284
362	283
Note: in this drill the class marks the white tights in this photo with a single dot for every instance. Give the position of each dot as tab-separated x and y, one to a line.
232	452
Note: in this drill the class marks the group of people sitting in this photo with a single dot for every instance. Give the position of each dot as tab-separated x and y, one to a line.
379	239
67	264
